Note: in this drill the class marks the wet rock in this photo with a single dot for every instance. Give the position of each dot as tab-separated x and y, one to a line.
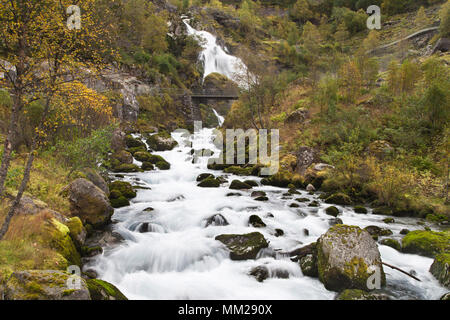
147	166
102	290
339	198
314	204
427	243
216	220
445	297
44	285
302	199
89	203
308	264
243	246
389	220
392	243
322	167
360	209
133	142
306	232
149	209
345	254
256	221
404	231
251	183
233	194
377	231
262	273
204	176
209	183
127	168
310	188
332	211
335	221
122	188
356	294
261	199
257	194
239	185
279	233
161	141
294	205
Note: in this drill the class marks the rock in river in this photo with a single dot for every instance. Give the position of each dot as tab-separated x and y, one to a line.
243	246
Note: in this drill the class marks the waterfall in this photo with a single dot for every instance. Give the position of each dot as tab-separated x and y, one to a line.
215	58
220	119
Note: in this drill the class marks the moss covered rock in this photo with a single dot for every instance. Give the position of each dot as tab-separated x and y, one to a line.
345	254
124	188
204	176
44	285
89	203
147	166
377	231
360	209
339	198
122	156
427	243
102	290
127	168
243	246
308	264
281	179
161	141
133	142
256	221
209	183
356	294
162	165
239	185
143	156
332	211
392	243
77	231
120	202
440	269
239	171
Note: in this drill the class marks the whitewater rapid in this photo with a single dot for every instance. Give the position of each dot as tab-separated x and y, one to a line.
179	258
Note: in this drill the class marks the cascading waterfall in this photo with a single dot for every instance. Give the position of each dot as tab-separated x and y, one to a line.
215	59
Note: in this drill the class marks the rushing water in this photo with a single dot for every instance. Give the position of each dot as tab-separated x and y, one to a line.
179	258
215	58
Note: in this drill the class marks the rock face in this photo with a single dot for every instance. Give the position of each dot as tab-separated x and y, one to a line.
89	203
440	269
243	246
43	285
345	254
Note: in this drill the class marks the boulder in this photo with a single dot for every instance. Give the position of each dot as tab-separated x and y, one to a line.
239	185
147	166
339	198
297	116
161	141
209	183
127	168
102	290
334	221
360	209
346	255
305	158
257	194
332	211
440	269
388	220
392	243
125	189
356	294
204	176
377	231
89	203
308	264
256	221
310	188
44	285
133	142
243	246
123	156
216	220
94	177
118	140
30	206
427	243
77	231
262	273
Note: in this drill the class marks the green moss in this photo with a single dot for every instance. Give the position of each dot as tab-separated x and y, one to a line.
281	179
392	243
134	150
339	198
124	188
239	185
126	167
209	182
388	220
332	211
120	202
239	171
360	209
163	165
142	156
147	166
102	290
204	176
427	243
133	143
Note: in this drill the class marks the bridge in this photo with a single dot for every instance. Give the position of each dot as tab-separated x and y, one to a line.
200	94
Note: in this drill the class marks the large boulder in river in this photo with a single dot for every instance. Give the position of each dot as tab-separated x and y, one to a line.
440	269
345	258
243	246
427	243
161	141
89	203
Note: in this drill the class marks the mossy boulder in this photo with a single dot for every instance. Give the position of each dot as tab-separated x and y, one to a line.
281	179
251	183
239	185
133	142
308	264
440	269
134	150
239	171
356	294
89	203
346	255
392	243
243	246
426	243
377	231
332	211
124	188
147	166
339	198
204	176
256	221
209	183
94	177
122	156
163	165
44	285
77	231
102	290
445	297
360	209
127	168
161	141
143	156
119	202
388	220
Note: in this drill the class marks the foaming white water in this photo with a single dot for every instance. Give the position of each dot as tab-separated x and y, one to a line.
214	57
178	257
219	118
